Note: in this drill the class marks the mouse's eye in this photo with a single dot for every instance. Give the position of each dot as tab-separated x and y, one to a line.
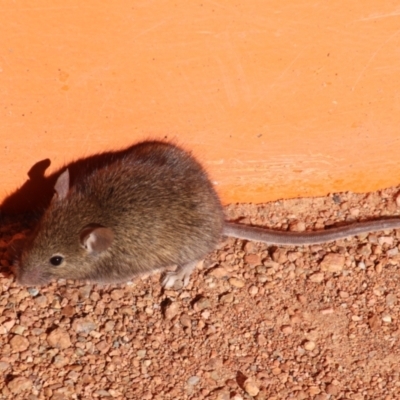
56	260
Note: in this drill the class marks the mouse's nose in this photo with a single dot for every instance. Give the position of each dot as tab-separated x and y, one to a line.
30	277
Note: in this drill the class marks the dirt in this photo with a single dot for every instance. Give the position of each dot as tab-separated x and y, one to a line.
313	322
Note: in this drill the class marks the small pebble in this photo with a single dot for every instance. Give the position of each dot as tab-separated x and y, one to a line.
313	390
236	282
386	240
171	310
68	311
109	326
287	329
318	277
219	272
297	226
374	323
276	371
309	345
262	278
387	318
84	292
202	304
193	380
7	326
19	343
391	299
83	325
250	247
102	393
19	329
361	265
250	387
252	259
33	291
227	298
221	394
185	320
261	340
354	212
59	338
253	290
379	268
117	294
332	262
141	353
60	361
19	384
4	366
41	301
332	390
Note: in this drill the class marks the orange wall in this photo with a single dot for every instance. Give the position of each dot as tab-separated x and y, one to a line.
278	99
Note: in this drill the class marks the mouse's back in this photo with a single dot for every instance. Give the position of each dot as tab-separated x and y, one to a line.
169	198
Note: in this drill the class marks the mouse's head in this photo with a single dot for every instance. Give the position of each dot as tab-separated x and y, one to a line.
67	241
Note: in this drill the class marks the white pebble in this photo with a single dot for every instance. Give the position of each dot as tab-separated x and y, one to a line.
387	318
193	380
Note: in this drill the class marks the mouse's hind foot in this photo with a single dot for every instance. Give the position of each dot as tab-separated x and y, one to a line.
182	274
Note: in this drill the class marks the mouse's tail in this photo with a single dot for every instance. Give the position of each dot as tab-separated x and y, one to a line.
276	237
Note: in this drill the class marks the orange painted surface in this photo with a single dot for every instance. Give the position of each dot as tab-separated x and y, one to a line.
278	99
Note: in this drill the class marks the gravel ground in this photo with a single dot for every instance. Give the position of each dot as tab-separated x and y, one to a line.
313	322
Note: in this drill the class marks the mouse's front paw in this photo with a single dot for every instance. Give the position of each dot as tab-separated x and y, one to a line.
179	278
170	279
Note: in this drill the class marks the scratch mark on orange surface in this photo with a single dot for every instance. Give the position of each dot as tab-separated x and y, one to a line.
285	70
273	83
374	54
229	86
380	16
152	28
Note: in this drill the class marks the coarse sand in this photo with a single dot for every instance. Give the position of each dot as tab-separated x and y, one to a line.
256	321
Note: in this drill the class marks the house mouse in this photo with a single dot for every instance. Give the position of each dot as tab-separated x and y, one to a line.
152	208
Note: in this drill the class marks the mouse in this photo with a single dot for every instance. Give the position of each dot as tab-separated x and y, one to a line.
150	209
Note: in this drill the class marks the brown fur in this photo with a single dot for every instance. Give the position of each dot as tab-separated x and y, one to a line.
157	201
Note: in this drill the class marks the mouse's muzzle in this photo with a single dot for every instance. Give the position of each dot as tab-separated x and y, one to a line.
30	277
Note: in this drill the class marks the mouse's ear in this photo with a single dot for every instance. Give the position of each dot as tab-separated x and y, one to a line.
62	185
96	238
